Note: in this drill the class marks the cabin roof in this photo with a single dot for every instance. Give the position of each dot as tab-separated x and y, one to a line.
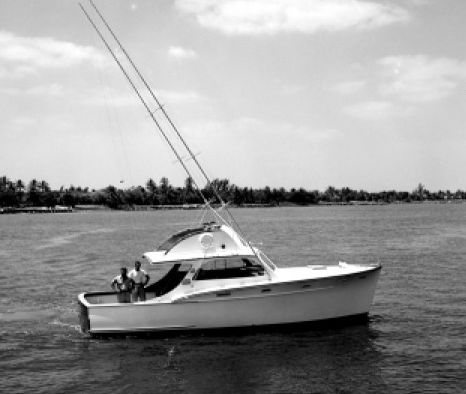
175	239
206	241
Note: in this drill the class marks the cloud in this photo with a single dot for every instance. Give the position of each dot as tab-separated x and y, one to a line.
53	89
305	16
420	78
321	137
26	55
180	97
181	53
289	89
404	83
23	121
349	87
254	129
113	98
370	110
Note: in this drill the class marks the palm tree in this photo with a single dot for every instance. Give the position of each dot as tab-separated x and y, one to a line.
151	187
19	189
33	192
44	186
32	187
3	182
164	190
419	191
190	195
331	194
20	186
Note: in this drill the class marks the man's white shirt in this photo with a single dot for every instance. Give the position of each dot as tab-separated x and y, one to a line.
139	277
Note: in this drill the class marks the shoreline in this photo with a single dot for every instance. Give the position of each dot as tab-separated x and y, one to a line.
86	208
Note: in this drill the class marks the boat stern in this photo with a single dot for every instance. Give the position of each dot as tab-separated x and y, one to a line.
84	321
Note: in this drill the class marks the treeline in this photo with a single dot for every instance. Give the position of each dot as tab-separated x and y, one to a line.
38	193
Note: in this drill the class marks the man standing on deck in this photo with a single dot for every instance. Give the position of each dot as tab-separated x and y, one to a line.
141	279
123	285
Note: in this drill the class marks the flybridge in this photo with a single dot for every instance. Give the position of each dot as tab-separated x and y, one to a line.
199	243
180	236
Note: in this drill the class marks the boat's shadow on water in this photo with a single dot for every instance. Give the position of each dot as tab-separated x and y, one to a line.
311	358
314	326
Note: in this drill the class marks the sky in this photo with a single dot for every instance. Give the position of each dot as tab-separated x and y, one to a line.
285	93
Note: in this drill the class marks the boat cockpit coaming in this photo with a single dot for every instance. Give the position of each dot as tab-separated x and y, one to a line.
199	274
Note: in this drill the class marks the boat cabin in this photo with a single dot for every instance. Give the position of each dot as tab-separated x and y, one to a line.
199	259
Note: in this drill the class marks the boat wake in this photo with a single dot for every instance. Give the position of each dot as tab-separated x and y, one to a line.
56	242
57	322
26	315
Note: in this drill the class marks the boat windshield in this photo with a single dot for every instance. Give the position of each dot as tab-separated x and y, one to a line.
170	280
228	268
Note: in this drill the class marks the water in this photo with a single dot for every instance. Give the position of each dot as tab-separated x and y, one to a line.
415	341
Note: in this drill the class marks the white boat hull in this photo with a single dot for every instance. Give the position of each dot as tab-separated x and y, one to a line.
261	305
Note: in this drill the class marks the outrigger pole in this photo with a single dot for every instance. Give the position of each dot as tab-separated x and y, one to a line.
159	105
151	114
144	103
162	109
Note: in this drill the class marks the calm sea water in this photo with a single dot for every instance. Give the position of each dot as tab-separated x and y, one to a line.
415	341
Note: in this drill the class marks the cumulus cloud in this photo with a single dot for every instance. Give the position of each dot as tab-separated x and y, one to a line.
305	16
406	82
181	53
421	78
26	55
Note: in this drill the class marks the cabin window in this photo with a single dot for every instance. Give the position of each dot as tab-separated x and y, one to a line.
229	268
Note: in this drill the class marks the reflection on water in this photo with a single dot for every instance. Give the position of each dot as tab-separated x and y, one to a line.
332	360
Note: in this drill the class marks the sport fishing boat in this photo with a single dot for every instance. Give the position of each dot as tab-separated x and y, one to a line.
215	278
